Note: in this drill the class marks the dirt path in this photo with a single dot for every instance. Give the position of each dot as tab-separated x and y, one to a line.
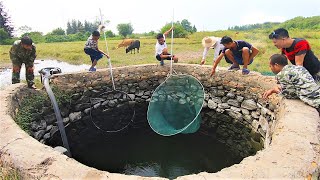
188	56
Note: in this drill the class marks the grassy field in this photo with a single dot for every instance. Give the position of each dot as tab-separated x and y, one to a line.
189	50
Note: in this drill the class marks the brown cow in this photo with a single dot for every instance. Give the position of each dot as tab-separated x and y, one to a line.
125	43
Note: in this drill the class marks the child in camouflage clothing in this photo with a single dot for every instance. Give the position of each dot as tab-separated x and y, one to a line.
295	81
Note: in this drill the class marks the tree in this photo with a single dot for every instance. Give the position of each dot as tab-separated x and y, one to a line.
69	28
194	29
80	27
5	22
186	25
109	33
24	29
58	31
125	29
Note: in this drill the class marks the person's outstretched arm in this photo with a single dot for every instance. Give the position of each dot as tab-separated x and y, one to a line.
165	34
266	94
215	64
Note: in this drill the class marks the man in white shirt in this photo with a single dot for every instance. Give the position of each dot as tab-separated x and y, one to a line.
162	49
211	42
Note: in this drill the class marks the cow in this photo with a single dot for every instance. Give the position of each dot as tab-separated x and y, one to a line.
125	43
135	44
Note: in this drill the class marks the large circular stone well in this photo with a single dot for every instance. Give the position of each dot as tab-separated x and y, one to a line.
287	130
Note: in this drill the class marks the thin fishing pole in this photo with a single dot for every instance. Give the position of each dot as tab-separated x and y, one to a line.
171	41
109	59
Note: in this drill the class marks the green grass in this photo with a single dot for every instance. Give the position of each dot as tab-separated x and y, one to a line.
189	50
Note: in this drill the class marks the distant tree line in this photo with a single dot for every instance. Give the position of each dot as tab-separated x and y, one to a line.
295	23
6	27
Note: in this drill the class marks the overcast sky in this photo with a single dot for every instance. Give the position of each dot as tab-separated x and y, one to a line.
147	15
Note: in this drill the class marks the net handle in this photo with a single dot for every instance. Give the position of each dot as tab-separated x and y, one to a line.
109	59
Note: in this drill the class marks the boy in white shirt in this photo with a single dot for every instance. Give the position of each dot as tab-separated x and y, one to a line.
162	49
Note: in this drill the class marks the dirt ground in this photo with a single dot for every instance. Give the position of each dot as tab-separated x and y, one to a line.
188	55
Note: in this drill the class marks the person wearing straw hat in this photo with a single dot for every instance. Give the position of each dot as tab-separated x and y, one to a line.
91	49
236	53
162	48
211	42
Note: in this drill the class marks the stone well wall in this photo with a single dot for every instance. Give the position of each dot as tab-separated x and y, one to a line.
227	93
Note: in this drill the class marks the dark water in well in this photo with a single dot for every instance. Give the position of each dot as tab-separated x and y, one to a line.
145	153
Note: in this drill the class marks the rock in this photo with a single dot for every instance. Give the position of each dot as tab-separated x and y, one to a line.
132	96
255	125
53	130
60	149
264	111
245	111
205	104
132	90
139	93
223	106
235	109
42	125
50	119
216	100
49	128
143	85
81	107
34	126
249	104
212	104
231	95
112	103
46	136
220	93
65	120
96	106
233	102
75	116
263	123
87	111
64	112
206	97
182	101
39	134
248	118
240	98
220	110
234	115
224	99
255	114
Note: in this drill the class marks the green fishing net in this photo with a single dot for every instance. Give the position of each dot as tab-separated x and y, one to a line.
175	106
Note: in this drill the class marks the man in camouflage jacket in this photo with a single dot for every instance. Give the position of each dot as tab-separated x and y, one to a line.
23	51
295	81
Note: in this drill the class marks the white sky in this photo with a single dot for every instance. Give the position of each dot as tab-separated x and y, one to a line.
147	15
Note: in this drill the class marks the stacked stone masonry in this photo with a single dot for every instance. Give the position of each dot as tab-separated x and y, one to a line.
227	94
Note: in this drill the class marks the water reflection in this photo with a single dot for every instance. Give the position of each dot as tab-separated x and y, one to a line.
6	74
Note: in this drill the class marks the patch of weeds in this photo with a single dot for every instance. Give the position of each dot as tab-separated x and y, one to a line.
8	173
31	107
